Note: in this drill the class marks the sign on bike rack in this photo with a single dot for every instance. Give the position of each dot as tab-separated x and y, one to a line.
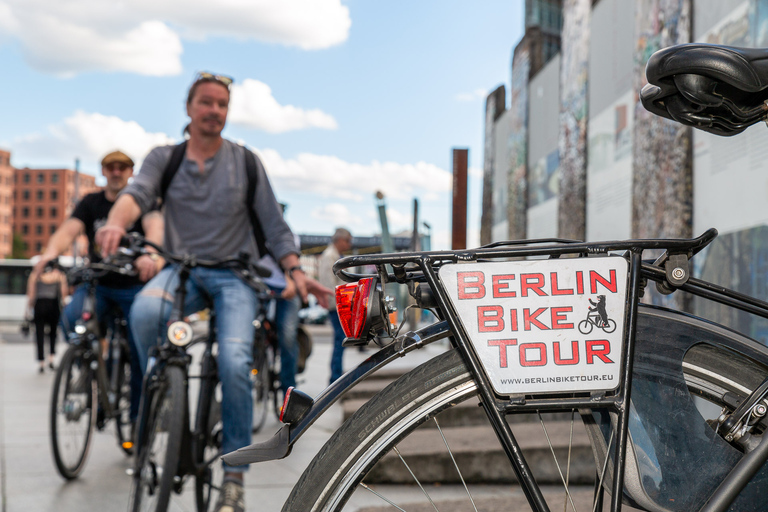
544	326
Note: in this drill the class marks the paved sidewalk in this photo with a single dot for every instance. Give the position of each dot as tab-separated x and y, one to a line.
30	482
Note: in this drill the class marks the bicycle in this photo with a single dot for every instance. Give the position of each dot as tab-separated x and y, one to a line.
168	449
265	374
89	390
510	324
593	320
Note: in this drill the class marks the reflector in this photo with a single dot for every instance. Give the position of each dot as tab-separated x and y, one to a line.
352	306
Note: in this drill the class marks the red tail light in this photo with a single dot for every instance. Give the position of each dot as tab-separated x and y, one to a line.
353	303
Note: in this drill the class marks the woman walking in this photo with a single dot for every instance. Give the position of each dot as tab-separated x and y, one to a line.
45	291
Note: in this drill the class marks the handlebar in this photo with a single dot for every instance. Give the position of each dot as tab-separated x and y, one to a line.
135	244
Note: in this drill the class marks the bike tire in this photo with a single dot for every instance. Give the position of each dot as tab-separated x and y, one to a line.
261	380
72	415
585	327
122	413
208	481
437	385
610	326
158	457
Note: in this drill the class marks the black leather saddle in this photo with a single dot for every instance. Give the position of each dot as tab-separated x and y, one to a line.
718	89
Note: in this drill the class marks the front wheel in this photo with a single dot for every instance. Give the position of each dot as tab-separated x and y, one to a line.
261	382
72	412
122	413
585	327
158	457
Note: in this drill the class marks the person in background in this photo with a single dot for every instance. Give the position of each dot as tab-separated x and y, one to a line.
206	215
114	290
45	290
341	242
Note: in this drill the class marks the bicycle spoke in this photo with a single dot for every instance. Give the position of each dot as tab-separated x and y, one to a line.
380	496
568	465
605	466
557	464
454	464
414	477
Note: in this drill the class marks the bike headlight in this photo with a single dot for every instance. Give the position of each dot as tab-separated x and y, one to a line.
180	333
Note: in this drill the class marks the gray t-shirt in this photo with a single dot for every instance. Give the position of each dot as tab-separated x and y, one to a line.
205	214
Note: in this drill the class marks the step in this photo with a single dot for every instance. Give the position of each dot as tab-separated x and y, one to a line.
481	459
466	413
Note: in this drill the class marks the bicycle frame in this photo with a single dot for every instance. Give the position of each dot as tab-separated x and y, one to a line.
666	270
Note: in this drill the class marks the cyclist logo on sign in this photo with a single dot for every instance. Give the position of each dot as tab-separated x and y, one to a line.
597	317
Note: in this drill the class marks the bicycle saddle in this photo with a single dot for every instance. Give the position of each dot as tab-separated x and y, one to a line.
718	89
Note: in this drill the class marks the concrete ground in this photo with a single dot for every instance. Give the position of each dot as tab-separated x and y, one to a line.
30	482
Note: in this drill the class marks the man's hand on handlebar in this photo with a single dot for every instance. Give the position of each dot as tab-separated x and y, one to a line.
108	238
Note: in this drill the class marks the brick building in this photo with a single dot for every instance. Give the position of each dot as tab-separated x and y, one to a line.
6	204
42	200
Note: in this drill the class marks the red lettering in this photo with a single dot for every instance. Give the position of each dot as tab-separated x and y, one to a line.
555	289
501	286
595	278
471	285
580	282
489	318
558	317
502	344
598	348
529	319
540	347
533	282
513	319
574	354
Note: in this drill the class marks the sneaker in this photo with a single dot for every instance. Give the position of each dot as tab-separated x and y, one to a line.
232	497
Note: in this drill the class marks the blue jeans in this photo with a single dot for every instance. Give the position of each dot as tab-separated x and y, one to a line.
235	305
107	299
287	322
338	349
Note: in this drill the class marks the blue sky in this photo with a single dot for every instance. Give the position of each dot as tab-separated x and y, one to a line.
339	98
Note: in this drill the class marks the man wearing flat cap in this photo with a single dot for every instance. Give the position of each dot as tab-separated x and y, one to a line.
114	290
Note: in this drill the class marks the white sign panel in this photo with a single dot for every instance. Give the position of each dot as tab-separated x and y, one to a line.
544	326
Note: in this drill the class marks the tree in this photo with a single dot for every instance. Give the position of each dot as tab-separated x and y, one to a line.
19	247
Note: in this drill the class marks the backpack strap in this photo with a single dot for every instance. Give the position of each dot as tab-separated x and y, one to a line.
251	171
177	156
253	176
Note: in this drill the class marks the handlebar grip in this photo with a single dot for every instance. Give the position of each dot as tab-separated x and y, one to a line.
261	270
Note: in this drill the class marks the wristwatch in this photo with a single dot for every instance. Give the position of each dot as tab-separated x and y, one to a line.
294	269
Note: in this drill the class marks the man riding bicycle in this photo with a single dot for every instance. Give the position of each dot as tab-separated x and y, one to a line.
207	215
114	290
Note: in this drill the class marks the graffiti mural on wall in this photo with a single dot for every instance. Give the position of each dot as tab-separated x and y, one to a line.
661	187
737	259
574	71
494	106
662	170
517	142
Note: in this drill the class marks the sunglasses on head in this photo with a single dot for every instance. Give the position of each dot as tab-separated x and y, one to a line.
204	75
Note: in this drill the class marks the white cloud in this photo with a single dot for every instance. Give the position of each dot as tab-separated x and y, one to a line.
144	36
337	214
477	94
329	176
253	105
88	136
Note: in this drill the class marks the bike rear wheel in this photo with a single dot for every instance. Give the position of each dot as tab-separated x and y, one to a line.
73	418
337	476
158	458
